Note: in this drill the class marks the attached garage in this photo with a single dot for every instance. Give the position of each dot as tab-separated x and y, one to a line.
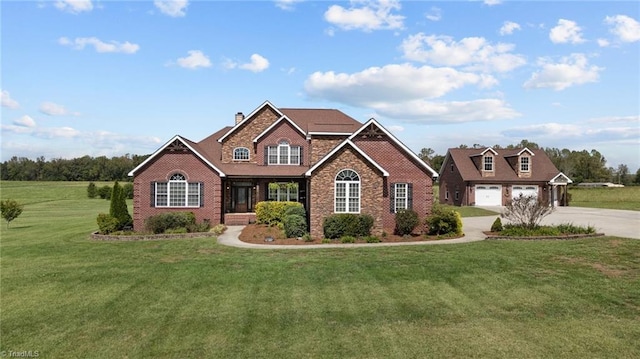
516	191
488	195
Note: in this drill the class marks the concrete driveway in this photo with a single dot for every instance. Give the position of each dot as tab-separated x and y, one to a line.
611	222
608	221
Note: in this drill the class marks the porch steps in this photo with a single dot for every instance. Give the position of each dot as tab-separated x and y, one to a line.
239	219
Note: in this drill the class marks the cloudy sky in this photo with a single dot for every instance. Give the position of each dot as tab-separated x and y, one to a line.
110	78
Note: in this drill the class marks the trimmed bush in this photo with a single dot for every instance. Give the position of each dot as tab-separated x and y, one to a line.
170	220
104	192
272	212
443	221
127	189
348	239
92	190
406	221
347	224
118	208
372	239
294	226
106	223
497	225
295	210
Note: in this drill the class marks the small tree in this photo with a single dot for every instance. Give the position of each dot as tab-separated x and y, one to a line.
118	208
10	209
526	211
92	190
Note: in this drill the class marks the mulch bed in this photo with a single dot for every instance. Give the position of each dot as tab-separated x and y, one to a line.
256	233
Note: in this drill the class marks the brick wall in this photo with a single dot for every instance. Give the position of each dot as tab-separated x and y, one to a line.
402	169
160	170
452	181
243	136
283	132
321	145
323	189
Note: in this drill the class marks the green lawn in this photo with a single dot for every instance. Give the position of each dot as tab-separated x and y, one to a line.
66	296
613	198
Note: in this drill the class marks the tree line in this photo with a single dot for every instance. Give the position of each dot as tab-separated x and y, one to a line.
580	166
84	168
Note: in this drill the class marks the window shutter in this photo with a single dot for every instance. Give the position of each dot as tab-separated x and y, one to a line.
300	152
392	198
153	194
409	195
266	155
201	194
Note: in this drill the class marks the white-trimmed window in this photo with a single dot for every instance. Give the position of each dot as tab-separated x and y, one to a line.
284	154
401	196
240	154
487	161
347	192
281	192
524	164
177	192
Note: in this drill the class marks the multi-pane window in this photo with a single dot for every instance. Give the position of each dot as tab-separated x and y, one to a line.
241	154
401	196
524	164
283	154
283	192
177	193
347	192
488	163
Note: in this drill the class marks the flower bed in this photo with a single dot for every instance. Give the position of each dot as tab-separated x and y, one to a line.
149	237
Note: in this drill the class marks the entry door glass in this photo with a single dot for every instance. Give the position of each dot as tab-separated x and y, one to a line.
242	199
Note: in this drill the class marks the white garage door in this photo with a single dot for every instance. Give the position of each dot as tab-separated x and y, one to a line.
488	195
525	191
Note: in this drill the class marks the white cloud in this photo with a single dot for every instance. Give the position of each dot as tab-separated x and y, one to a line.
566	31
448	112
577	133
492	2
624	27
74	6
257	64
195	60
7	101
40	132
570	71
395	128
287	5
615	119
509	27
173	8
603	42
435	14
396	82
475	53
112	46
25	121
366	15
53	109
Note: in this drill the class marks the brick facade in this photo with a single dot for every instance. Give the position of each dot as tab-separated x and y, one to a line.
160	170
243	136
321	145
323	190
284	131
450	182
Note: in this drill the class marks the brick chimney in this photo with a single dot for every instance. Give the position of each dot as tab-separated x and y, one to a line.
239	117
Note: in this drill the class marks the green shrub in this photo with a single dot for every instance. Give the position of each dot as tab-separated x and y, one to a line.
348	239
497	225
444	221
307	237
170	220
295	210
272	212
406	221
326	240
127	189
218	229
203	226
106	223
179	230
92	190
519	230
372	239
294	226
118	208
10	209
104	192
347	224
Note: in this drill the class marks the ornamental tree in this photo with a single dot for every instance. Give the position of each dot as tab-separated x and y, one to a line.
10	209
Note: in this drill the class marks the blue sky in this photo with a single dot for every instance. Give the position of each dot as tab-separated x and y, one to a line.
115	77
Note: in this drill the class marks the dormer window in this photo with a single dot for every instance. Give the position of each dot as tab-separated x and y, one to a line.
487	161
241	154
524	164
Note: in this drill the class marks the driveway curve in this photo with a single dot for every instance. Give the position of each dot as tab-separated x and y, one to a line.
611	222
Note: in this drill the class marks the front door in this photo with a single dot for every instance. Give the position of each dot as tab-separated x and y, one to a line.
241	199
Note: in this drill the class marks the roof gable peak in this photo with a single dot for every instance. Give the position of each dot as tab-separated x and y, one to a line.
249	117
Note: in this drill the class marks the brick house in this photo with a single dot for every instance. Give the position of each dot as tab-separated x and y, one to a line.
493	177
322	158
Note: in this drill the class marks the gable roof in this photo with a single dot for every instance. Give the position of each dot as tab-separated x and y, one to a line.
399	143
273	125
340	146
192	146
542	169
561	178
248	117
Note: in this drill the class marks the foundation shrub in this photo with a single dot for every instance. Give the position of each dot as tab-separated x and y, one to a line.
170	220
497	225
272	212
294	226
347	224
444	221
406	221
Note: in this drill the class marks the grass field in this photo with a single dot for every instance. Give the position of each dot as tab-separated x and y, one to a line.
614	198
66	296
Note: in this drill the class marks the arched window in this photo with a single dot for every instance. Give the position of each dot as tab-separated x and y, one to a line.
347	192
241	154
177	192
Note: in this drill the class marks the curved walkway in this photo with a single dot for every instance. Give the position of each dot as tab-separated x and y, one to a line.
611	222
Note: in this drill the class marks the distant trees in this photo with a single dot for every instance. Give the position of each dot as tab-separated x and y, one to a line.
78	169
429	156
